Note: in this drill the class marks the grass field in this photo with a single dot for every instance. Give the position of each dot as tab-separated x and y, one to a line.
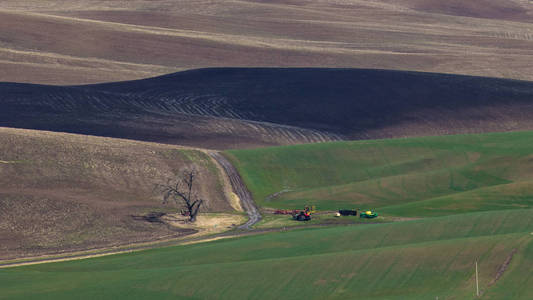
470	194
419	259
428	176
254	73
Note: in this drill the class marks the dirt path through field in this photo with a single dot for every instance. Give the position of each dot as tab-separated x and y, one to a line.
7	162
211	228
239	188
231	197
208	227
109	251
189	240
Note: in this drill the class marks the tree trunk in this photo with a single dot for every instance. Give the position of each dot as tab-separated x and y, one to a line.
194	210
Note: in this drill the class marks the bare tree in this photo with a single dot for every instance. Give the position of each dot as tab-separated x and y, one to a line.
180	190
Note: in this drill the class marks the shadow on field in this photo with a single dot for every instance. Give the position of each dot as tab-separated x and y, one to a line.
152	217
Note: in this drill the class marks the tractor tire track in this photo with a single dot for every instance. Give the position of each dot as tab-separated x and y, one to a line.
239	188
217	113
503	267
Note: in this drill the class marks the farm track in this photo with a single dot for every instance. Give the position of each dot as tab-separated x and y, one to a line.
146	246
126	248
240	189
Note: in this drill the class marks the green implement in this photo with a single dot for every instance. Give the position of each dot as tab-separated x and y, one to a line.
368	214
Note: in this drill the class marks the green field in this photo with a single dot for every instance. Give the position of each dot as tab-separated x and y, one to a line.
470	197
419	259
414	177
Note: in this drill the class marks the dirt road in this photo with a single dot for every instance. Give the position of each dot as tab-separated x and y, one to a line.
240	189
125	248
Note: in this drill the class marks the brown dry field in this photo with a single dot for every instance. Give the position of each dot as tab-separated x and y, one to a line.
64	192
89	41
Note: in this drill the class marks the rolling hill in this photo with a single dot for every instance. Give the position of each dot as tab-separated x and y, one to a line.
411	177
367	104
64	192
431	256
81	41
421	259
239	108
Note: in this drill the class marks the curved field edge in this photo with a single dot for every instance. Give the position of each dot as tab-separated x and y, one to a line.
429	258
455	174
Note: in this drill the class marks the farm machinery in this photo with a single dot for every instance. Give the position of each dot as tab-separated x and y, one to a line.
311	210
347	212
368	214
352	212
297	214
302	215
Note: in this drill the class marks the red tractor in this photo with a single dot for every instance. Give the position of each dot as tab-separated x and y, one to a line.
302	215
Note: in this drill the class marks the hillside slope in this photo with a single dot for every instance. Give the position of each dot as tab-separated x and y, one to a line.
412	177
236	108
68	192
421	259
91	41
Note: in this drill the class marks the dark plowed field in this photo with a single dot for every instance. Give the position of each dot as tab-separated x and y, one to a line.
236	108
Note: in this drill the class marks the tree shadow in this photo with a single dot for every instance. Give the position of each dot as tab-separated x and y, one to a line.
151	217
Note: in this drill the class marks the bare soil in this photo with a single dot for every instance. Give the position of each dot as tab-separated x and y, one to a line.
205	224
86	41
233	108
71	192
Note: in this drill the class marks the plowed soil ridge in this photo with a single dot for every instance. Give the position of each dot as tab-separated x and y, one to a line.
231	108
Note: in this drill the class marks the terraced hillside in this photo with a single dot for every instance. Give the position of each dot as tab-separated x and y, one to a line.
422	259
412	177
238	108
90	41
70	192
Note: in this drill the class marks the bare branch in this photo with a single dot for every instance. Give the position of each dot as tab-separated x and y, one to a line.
181	192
